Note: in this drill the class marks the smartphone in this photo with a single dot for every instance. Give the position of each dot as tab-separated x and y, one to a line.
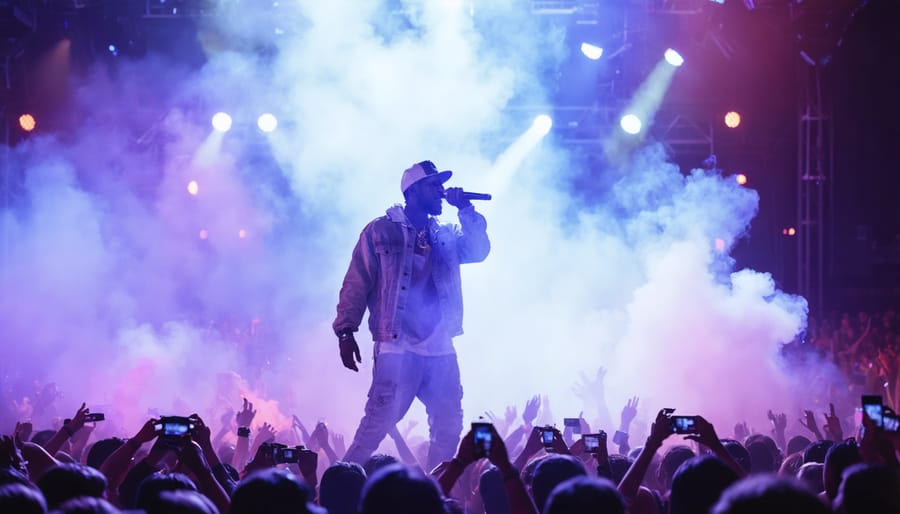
891	423
547	436
173	426
93	417
483	438
684	424
873	407
285	455
592	442
573	423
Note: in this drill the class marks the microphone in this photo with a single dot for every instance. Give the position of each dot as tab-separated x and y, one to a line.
476	196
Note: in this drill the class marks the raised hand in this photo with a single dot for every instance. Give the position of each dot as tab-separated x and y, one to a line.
779	421
78	419
589	389
22	432
337	440
266	433
11	456
810	423
660	429
629	412
706	433
245	416
531	409
320	435
741	431
833	424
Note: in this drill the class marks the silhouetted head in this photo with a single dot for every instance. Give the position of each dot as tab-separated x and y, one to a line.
181	502
67	481
798	443
341	487
811	474
674	457
551	472
86	505
761	458
151	487
816	451
698	484
869	489
21	499
619	465
739	453
272	491
378	461
493	492
101	450
839	457
769	494
397	489
585	495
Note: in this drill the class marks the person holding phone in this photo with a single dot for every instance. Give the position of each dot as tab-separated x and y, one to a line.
405	271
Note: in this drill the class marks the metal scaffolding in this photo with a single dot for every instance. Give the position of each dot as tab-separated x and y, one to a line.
815	166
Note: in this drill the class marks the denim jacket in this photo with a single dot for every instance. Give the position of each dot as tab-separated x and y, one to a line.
381	269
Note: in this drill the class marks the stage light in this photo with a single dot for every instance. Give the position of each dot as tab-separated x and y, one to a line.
193	188
542	124
741	179
267	122
592	52
242	233
720	245
221	122
204	234
113	49
630	124
27	122
792	231
732	119
674	58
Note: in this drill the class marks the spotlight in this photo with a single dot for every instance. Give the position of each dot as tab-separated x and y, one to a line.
630	124
792	231
542	124
27	122
193	188
590	51
221	122
720	244
204	234
267	122
741	179
674	58
732	119
242	233
113	49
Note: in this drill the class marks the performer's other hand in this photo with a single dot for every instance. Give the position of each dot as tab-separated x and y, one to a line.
349	350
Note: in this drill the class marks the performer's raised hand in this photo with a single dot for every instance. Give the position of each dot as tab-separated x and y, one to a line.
349	349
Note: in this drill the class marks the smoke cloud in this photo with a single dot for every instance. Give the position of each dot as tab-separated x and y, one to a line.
111	292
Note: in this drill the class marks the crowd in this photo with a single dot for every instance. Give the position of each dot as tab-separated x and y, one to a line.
511	463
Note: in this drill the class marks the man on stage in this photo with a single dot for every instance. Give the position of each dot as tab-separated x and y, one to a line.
405	270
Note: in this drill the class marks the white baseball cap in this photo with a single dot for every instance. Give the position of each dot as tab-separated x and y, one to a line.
419	171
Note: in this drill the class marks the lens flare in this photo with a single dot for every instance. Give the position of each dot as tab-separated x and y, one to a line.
221	121
674	58
732	119
592	52
27	122
630	123
542	124
267	122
